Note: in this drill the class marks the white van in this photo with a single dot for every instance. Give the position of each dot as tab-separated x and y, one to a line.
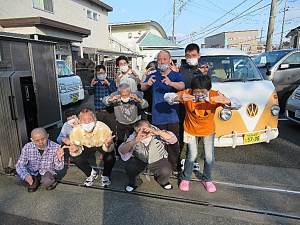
70	85
234	74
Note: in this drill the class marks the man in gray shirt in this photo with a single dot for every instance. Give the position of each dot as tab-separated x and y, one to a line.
126	105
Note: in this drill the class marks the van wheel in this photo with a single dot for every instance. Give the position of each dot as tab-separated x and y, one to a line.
282	102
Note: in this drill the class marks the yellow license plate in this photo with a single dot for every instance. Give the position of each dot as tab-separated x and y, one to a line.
251	138
75	99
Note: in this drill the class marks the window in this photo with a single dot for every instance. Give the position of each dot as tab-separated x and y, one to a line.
95	16
293	60
46	5
246	48
89	14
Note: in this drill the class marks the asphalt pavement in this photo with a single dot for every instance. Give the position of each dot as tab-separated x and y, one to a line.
256	184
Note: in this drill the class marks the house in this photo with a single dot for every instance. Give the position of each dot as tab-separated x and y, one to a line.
294	36
244	40
79	27
145	38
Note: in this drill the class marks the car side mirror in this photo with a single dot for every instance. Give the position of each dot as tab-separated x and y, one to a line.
284	66
268	65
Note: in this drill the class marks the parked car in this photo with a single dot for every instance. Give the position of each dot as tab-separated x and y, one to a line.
292	109
283	68
234	74
70	85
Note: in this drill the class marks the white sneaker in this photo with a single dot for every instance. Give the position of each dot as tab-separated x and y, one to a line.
196	167
182	164
105	181
90	180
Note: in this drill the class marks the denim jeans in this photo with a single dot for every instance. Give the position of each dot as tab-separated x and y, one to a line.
209	158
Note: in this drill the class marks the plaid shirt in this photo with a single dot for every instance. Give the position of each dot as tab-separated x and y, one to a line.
32	162
100	90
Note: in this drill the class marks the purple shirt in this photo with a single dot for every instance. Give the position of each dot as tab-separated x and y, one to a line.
31	161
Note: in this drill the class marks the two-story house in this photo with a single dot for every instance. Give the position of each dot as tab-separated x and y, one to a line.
79	27
146	38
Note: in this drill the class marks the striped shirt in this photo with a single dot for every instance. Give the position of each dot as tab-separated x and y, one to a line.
31	162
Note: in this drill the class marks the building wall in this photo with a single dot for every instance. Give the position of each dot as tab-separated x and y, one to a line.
243	40
216	41
66	11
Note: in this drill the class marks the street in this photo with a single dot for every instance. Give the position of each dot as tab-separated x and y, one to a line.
256	184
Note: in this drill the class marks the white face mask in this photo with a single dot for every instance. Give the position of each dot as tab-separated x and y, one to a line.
123	69
89	126
71	122
153	71
147	141
101	76
125	100
192	62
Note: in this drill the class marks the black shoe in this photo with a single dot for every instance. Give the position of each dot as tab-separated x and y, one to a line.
33	189
52	187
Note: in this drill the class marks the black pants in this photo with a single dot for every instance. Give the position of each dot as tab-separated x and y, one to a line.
83	164
107	117
161	169
121	131
47	180
173	150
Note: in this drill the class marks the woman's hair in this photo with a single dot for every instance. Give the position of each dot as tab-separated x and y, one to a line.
201	82
152	64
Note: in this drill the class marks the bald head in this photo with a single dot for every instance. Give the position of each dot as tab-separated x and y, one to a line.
164	53
38	131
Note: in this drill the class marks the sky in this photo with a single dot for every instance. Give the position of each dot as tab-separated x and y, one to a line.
208	17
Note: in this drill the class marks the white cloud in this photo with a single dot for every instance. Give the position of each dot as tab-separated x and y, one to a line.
123	10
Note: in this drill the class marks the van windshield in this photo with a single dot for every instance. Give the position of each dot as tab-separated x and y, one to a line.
63	70
231	68
269	57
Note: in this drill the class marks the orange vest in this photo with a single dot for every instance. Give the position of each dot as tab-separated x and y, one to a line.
199	119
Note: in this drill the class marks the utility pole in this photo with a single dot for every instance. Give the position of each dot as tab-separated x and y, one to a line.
173	30
261	33
283	22
271	25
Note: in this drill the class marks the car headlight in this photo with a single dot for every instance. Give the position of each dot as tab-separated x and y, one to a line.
275	109
62	88
296	92
225	114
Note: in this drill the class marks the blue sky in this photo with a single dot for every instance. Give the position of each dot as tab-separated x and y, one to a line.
207	17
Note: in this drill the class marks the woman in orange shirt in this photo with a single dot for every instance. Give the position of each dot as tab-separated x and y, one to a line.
200	103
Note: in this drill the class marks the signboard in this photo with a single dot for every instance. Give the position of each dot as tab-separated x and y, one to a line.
226	43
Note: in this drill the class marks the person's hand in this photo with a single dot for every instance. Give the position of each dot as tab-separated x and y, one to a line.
220	98
142	135
151	81
60	153
204	69
166	80
135	97
105	81
29	179
115	98
94	81
66	140
185	97
119	77
73	148
148	71
109	140
174	67
132	72
150	131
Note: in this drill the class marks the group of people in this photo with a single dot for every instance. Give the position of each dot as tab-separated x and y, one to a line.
139	119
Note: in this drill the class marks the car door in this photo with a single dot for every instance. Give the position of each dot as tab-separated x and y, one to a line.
287	75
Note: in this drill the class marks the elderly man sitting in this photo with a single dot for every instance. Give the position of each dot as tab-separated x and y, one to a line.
39	162
145	148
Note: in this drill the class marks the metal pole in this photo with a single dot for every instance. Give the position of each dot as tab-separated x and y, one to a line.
282	29
271	25
173	30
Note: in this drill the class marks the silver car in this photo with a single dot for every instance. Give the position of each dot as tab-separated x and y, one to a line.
292	109
283	68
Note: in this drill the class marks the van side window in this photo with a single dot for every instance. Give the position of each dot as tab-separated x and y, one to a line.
293	60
